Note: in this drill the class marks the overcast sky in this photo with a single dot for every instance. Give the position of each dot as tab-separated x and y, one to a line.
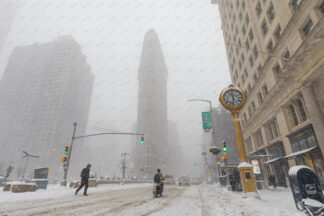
111	34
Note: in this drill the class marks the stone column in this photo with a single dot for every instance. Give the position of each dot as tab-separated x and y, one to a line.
315	114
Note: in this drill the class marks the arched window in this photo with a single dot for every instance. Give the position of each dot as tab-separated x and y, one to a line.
301	110
293	114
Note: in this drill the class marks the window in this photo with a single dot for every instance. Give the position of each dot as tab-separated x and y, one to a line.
258	9
243	30
247	19
250	112
246	73
243	5
253	106
277	68
271	12
264	27
259	69
301	110
278	32
308	27
237	3
251	61
255	76
247	44
265	90
287	54
257	136
249	87
272	129
321	7
242	57
295	3
260	98
251	35
255	52
270	47
243	79
240	16
248	145
244	118
293	114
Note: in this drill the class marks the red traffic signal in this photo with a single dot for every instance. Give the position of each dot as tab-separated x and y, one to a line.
218	159
64	159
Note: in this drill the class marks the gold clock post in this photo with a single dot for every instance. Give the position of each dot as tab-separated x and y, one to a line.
233	99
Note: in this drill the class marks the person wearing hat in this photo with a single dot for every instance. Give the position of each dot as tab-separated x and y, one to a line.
85	173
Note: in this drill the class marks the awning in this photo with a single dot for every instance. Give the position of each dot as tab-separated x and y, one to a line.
295	154
272	160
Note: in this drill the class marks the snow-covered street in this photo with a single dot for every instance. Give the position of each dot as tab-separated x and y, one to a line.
124	200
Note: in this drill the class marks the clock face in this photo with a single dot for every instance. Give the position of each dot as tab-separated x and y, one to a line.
233	98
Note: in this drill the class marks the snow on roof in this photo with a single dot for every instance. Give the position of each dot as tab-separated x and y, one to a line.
300	152
294	170
272	160
244	164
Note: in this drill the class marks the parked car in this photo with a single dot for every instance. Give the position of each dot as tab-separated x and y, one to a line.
169	180
184	181
196	181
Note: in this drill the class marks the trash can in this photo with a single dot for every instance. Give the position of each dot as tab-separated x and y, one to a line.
304	183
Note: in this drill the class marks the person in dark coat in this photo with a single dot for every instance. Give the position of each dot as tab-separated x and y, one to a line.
158	178
85	173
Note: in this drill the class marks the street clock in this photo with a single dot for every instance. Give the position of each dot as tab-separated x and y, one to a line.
232	98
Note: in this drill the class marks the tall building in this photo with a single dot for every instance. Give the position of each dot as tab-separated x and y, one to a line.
152	106
283	116
8	11
44	89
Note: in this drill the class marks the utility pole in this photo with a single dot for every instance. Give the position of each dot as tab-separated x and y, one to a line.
67	164
124	163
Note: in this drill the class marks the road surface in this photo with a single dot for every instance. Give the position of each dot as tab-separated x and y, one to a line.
201	200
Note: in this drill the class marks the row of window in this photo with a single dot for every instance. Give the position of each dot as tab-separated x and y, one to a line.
296	114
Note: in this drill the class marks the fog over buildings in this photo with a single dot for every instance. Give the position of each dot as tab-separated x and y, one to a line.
45	89
110	36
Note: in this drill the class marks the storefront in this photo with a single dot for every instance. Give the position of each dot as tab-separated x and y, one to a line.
277	165
306	151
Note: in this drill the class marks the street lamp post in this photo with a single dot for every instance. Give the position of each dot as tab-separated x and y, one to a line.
27	156
212	120
66	165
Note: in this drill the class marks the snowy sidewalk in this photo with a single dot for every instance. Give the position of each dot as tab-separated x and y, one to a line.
277	202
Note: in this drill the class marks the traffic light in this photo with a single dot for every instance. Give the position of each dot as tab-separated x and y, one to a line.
67	148
218	163
224	146
64	159
142	140
224	156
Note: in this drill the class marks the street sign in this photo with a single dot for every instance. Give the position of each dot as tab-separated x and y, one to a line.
204	153
256	167
206	121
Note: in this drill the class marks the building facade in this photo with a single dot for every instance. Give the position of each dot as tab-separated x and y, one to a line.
275	54
8	11
44	89
152	107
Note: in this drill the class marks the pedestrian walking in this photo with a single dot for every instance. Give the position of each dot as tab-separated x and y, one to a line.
272	181
85	173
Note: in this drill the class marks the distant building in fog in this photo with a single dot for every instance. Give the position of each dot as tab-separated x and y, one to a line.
8	11
152	106
44	89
